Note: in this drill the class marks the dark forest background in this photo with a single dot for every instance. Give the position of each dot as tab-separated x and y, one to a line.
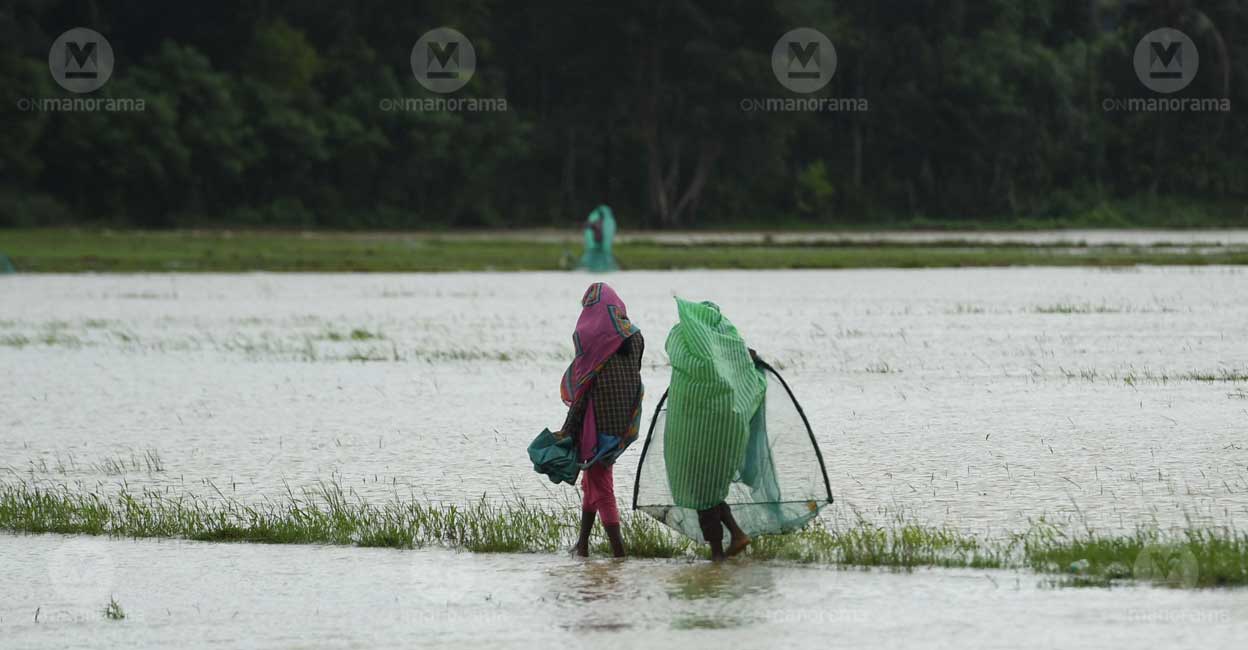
266	113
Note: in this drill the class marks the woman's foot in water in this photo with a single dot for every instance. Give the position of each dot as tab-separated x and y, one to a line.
739	539
737	544
615	538
711	523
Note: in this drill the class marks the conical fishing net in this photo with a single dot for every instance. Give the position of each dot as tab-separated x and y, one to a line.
728	430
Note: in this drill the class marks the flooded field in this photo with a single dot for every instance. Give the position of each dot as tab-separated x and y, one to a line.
262	596
984	400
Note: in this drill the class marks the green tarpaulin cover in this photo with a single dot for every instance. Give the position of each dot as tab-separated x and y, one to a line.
727	430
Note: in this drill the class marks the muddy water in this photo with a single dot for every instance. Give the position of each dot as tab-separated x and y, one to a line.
983	399
980	398
177	593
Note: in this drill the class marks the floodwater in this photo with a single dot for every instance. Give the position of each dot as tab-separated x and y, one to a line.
983	399
180	594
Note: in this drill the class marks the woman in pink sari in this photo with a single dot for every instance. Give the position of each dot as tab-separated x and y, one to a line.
602	389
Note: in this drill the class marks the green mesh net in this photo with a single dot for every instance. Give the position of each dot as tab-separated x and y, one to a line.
727	430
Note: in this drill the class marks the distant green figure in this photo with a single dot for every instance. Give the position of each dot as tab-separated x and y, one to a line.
599	233
5	265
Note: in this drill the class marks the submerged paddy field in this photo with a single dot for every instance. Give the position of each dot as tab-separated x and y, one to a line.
72	250
356	444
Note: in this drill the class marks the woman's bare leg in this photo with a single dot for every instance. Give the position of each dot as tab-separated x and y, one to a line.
739	539
709	521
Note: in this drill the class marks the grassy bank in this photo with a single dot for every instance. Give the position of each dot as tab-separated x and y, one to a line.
328	515
71	250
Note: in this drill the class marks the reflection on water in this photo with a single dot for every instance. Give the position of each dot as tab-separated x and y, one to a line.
591	593
723	591
721	580
587	580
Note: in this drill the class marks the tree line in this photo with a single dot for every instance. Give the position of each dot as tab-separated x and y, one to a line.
275	114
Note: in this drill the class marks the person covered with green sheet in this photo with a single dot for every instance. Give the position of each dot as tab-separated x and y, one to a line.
599	237
715	394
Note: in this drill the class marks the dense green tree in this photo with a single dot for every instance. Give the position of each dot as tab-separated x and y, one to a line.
275	114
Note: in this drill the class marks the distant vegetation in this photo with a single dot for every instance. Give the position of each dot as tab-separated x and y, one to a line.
60	250
270	114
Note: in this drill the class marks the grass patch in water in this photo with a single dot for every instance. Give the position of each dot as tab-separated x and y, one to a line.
1190	558
1081	308
1133	377
356	334
113	610
865	544
328	515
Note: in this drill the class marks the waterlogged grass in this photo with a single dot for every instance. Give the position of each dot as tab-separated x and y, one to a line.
328	515
278	342
1134	377
75	250
357	334
113	610
149	462
1189	558
1080	308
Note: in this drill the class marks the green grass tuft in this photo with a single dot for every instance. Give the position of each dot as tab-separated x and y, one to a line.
113	610
327	514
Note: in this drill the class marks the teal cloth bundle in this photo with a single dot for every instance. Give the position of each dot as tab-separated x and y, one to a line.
554	457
